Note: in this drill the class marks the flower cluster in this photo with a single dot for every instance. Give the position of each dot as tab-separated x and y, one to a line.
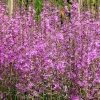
49	59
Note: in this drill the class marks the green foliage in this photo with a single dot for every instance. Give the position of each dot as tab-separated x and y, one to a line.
26	4
38	6
60	3
20	3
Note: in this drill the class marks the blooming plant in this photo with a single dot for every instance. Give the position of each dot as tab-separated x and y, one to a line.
49	60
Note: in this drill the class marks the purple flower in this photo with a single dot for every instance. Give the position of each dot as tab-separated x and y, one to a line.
73	97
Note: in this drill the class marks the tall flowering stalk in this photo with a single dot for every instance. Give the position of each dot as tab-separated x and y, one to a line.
49	60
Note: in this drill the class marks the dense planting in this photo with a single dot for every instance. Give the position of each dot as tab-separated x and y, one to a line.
49	60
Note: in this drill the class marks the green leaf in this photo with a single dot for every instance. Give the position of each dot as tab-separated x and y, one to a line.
38	6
